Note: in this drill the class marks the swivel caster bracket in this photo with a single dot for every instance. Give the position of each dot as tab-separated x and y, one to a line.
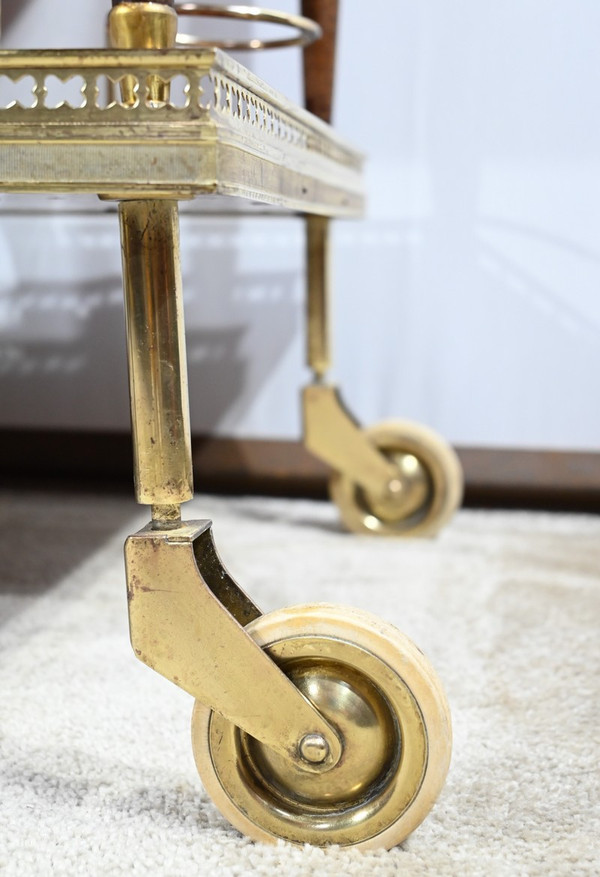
334	435
187	617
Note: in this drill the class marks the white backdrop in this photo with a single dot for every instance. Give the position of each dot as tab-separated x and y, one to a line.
469	296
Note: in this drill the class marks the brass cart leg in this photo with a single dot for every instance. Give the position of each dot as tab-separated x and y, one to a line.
397	478
157	364
186	614
315	724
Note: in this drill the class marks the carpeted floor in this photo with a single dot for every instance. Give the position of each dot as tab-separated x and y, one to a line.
96	771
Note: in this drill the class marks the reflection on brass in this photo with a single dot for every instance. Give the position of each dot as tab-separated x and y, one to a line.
420	500
307	31
136	25
318	285
156	352
383	697
406	495
181	629
313	748
349	700
396	478
143	26
158	389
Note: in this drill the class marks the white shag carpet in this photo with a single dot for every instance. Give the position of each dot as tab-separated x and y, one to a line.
96	770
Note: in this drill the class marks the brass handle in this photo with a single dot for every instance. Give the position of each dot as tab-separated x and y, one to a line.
307	31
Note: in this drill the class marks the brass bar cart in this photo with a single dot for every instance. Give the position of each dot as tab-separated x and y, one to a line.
318	723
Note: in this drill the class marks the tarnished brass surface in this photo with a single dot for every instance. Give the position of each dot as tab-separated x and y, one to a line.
331	433
222	131
166	516
381	694
156	352
317	294
181	627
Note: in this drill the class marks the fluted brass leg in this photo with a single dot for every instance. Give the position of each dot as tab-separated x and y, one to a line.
153	300
156	353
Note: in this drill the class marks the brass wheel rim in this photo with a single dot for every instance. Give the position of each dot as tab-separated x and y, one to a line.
373	789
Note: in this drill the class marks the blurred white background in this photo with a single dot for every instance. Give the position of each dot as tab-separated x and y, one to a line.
468	298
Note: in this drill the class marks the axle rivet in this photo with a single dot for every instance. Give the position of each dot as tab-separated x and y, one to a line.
314	748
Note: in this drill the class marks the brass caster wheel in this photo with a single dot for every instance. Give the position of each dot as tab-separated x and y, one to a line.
424	497
385	701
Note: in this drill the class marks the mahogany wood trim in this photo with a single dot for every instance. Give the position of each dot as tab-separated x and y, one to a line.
319	58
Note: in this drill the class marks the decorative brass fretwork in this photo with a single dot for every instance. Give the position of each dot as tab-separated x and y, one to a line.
220	129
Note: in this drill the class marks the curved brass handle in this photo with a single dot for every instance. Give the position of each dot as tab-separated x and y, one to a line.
307	31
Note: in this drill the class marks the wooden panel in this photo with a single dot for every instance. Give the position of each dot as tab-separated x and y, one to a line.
494	477
532	478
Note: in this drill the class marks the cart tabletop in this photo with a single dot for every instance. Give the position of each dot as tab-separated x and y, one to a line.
88	121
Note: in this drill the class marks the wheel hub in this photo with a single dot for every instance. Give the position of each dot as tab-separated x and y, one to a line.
418	500
406	496
369	738
313	748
